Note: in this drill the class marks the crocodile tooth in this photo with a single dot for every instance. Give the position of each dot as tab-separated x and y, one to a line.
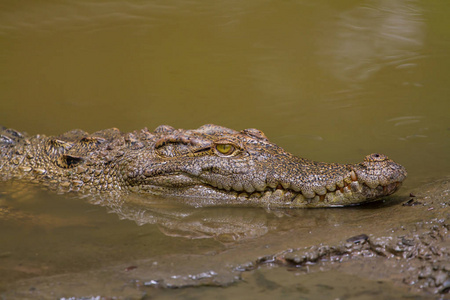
353	176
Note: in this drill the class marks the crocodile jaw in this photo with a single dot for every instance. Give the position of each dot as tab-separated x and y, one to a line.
370	180
204	195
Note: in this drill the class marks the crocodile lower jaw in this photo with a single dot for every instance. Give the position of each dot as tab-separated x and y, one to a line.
354	193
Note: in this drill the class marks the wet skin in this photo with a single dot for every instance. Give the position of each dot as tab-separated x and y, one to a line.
212	163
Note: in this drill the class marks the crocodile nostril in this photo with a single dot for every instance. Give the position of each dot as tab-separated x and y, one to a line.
375	157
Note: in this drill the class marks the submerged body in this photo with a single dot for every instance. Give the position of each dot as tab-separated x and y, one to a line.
212	163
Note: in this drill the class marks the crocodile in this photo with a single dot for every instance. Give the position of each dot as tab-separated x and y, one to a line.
218	165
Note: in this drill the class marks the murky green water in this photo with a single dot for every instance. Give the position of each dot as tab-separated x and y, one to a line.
327	81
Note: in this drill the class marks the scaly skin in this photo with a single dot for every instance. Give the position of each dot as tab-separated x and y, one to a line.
214	164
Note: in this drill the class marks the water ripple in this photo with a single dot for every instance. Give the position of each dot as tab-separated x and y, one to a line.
78	15
373	35
405	120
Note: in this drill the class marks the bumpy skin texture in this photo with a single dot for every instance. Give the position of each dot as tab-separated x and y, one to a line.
212	164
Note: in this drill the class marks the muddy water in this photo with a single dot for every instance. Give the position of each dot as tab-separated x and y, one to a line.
327	81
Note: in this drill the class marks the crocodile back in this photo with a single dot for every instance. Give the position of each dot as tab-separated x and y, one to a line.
11	143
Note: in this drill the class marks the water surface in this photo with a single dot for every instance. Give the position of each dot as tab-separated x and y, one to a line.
327	81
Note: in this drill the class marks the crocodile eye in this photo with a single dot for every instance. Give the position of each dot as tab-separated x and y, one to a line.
225	149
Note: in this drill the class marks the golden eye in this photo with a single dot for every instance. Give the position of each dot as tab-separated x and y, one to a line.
225	149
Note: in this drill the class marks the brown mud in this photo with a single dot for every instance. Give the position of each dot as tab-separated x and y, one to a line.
413	253
408	251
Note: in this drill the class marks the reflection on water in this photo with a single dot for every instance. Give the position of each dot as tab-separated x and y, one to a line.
373	35
181	220
229	224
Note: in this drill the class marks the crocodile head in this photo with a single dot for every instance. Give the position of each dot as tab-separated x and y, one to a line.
221	165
